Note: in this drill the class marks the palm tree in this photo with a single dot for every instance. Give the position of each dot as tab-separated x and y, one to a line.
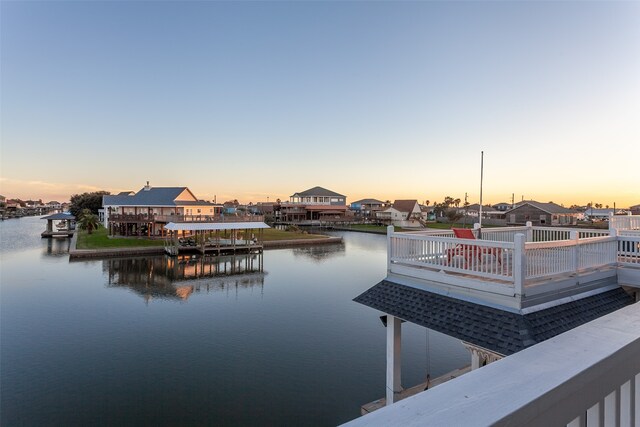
88	221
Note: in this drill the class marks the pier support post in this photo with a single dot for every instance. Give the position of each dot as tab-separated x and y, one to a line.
394	359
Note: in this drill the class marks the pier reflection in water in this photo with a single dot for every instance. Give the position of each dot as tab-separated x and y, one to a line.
179	276
57	246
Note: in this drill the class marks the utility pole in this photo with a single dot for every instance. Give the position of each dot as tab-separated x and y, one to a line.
481	175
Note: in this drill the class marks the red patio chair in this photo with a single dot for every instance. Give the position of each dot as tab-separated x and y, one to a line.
468	252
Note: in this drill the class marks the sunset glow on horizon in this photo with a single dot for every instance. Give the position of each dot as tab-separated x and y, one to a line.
385	100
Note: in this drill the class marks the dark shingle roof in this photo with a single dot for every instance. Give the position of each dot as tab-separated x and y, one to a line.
550	207
318	191
404	205
497	330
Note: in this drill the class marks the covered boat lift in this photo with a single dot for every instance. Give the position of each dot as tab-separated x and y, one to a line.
64	228
214	237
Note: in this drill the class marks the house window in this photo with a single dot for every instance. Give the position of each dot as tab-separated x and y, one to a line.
198	210
334	199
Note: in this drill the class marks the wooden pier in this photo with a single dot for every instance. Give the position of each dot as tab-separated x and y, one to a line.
377	404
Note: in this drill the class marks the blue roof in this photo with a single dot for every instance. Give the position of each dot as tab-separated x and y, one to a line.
154	196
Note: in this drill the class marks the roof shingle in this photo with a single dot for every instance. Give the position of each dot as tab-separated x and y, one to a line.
497	330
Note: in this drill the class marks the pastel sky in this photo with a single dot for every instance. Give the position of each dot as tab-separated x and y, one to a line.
388	100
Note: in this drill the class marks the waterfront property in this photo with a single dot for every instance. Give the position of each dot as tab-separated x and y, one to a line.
312	206
366	208
506	289
403	213
146	212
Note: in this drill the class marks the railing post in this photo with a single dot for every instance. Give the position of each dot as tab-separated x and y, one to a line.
573	236
390	231
519	264
529	225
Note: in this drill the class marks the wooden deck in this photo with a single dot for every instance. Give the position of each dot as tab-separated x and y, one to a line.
377	404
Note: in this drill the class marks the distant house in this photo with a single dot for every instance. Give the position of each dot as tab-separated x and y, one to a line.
635	210
541	214
403	213
313	204
366	207
593	214
148	210
502	206
474	210
428	212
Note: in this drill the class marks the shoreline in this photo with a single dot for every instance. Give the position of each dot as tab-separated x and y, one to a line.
81	254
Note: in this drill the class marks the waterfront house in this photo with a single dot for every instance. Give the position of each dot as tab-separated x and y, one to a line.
635	210
503	291
147	211
403	213
366	207
311	205
541	214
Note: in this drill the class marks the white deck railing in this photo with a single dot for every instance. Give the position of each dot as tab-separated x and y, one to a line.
624	222
588	376
514	256
629	250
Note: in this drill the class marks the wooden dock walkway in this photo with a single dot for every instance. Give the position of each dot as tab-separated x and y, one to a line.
377	404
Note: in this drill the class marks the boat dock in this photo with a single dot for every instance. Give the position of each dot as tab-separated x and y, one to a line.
64	228
214	237
377	404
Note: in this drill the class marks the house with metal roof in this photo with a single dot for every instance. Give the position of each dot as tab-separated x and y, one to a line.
541	214
147	211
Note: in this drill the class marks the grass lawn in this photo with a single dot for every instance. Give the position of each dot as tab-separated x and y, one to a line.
100	240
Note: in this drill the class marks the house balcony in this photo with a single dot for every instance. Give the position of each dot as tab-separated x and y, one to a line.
518	267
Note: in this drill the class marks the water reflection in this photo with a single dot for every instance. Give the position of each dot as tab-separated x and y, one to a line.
57	247
320	253
177	278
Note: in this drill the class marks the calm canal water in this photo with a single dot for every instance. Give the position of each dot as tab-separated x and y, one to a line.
155	341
